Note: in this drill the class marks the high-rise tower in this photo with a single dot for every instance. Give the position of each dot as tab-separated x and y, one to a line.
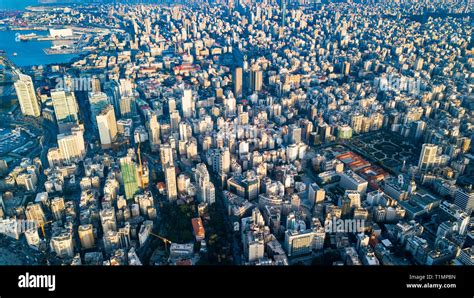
26	96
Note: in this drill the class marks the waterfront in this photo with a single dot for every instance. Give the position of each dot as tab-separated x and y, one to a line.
27	53
31	52
16	4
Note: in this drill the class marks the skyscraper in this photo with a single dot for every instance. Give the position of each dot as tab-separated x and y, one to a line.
237	82
419	63
356	122
316	194
65	106
185	131
298	242
257	79
418	128
205	188
294	134
62	244
112	89
57	208
127	106
71	145
32	238
255	246
346	68
126	87
170	179
98	101
427	157
26	96
464	199
283	12
154	133
222	164
86	236
147	26
175	119
95	84
187	104
107	126
35	213
230	106
108	220
166	154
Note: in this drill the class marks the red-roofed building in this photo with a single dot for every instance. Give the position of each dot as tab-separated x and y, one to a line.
373	175
353	161
198	228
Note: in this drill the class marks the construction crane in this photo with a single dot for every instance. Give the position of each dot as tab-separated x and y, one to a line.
43	246
42	227
165	241
140	169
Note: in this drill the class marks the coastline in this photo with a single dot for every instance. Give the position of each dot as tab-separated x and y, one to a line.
33	53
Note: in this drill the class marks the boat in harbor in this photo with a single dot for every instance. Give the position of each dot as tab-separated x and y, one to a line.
26	37
14	54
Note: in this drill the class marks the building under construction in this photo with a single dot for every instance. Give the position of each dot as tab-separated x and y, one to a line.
129	176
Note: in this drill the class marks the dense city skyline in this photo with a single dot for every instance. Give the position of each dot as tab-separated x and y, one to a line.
237	133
